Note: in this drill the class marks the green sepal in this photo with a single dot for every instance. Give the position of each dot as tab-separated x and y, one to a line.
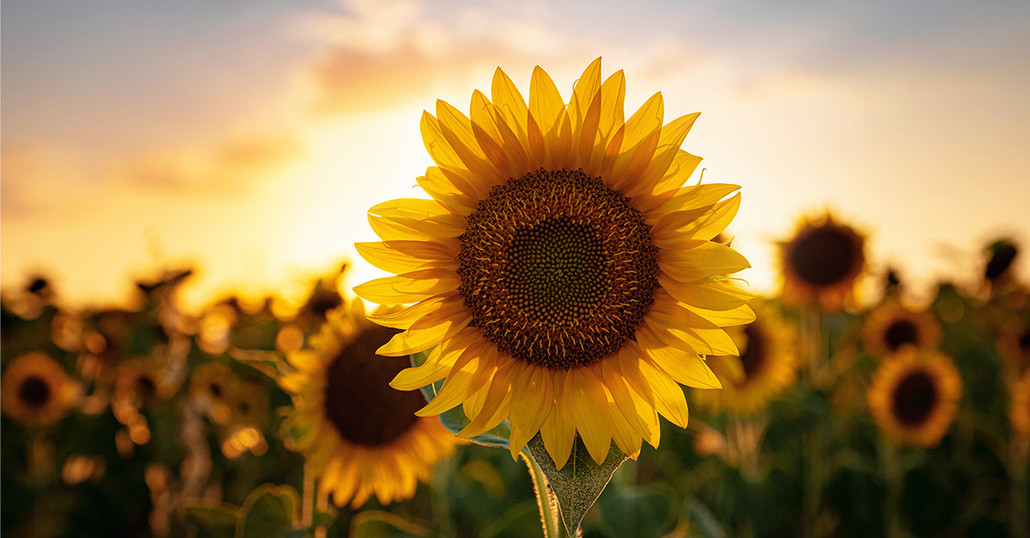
455	419
578	484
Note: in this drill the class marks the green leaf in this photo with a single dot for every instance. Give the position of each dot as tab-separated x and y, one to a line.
268	511
217	520
578	484
455	419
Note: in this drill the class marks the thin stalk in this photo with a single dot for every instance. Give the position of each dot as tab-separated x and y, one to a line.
1019	522
441	502
545	501
307	500
893	475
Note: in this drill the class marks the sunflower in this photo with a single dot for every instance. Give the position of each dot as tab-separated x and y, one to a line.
766	367
36	390
360	436
1019	412
142	382
821	263
210	386
561	274
914	397
892	326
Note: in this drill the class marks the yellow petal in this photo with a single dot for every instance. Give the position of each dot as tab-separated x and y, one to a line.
672	136
705	227
492	402
613	99
402	318
684	367
698	260
587	87
547	109
531	401
741	315
442	358
669	398
409	287
584	396
638	414
436	144
449	189
458	386
710	293
642	132
489	137
457	131
683	166
385	256
414	208
697	197
428	331
559	430
509	103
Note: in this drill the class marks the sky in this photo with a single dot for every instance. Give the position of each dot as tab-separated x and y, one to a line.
248	139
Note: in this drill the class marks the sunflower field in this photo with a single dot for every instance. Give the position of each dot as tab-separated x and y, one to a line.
887	419
561	347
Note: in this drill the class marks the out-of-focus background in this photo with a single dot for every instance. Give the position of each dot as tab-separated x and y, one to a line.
183	183
247	139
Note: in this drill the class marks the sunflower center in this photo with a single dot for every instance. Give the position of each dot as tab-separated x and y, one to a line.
823	257
557	269
755	357
899	333
359	401
1024	341
34	392
914	398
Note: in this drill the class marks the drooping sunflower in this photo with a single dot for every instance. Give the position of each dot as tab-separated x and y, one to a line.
913	398
36	390
767	365
820	264
1019	410
891	326
359	435
561	274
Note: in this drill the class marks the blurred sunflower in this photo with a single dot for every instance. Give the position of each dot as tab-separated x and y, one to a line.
563	277
1019	411
210	386
1013	345
36	390
248	402
914	397
142	382
891	326
821	263
767	365
359	435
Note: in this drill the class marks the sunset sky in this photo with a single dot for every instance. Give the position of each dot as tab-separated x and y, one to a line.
248	139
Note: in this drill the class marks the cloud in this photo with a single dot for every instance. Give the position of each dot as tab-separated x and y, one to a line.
382	53
227	167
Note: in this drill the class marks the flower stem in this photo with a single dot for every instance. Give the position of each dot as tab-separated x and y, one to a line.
307	503
1019	449
893	475
545	501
